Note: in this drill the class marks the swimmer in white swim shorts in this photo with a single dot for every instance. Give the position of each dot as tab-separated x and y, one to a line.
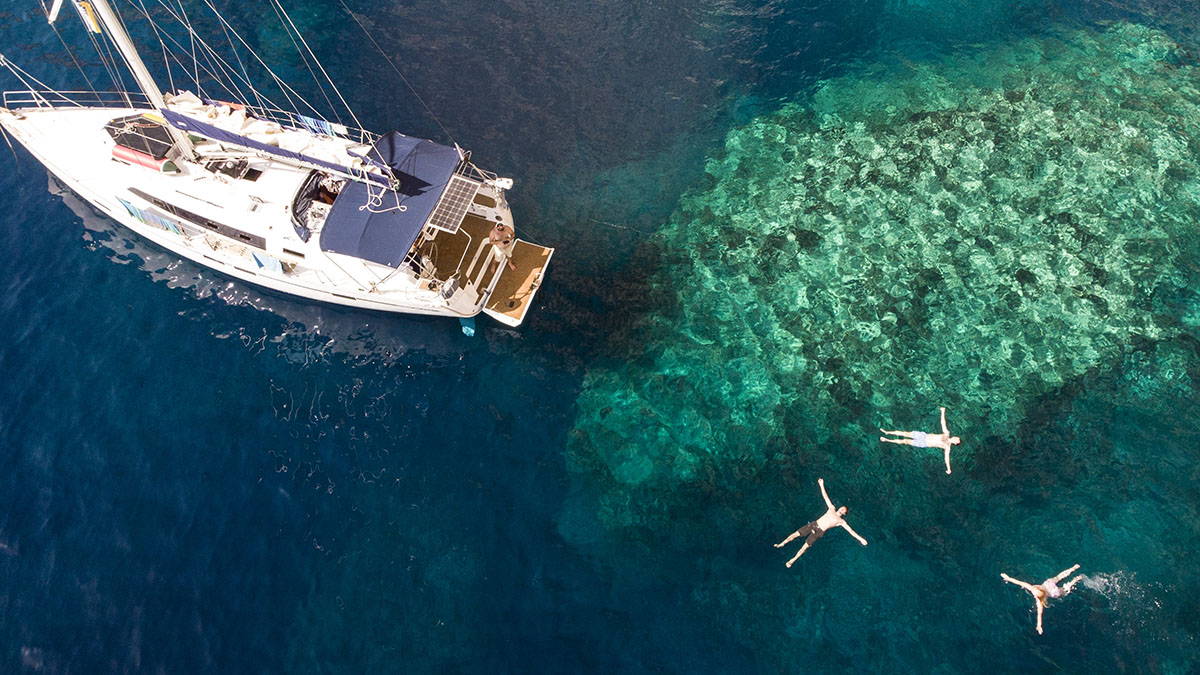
920	439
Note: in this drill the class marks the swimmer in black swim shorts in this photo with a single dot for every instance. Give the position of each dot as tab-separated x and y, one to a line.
812	531
817	528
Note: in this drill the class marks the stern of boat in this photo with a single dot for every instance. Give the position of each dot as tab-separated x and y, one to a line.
513	293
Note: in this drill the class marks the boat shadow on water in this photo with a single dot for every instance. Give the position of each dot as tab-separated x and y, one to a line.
309	332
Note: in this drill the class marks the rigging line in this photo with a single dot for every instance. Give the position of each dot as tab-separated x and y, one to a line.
167	53
393	65
109	43
96	46
241	65
191	34
16	160
282	84
222	74
216	65
214	70
154	27
108	67
21	74
70	52
197	66
121	20
228	80
120	81
226	76
318	62
320	87
175	42
230	29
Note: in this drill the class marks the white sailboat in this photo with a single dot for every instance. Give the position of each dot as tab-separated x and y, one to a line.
290	202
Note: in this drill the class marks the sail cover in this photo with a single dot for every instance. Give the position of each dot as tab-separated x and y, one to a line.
225	136
383	229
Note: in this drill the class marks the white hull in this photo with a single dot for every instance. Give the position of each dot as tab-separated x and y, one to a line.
72	144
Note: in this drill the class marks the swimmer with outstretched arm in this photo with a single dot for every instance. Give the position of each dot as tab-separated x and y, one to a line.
1046	590
920	439
818	527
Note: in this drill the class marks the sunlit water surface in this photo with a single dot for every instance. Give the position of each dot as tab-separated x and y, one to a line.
202	477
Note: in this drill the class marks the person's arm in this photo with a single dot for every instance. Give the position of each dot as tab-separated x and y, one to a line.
846	526
821	482
945	429
1065	573
1022	584
947	459
1039	610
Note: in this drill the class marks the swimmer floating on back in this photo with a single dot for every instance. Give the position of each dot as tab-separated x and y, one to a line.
920	439
814	530
1046	590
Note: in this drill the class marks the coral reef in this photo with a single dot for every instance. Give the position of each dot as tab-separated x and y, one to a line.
973	232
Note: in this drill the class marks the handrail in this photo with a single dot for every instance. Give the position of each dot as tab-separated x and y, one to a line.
106	99
469	170
50	98
292	120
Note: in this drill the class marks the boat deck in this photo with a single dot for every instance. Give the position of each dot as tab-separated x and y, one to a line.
470	246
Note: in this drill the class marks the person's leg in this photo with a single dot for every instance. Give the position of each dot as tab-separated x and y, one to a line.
906	434
813	536
898	441
1065	573
497	258
814	533
798	554
1066	588
798	533
785	542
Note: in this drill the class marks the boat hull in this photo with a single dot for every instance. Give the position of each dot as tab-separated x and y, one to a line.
109	203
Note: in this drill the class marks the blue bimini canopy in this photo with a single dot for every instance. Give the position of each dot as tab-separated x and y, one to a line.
383	230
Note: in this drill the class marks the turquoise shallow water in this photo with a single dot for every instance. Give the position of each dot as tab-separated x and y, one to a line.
780	225
1009	231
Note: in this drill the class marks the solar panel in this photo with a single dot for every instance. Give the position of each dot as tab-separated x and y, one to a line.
452	207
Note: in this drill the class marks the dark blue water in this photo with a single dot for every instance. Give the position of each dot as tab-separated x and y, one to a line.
201	477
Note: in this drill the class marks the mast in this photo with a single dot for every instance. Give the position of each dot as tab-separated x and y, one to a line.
108	17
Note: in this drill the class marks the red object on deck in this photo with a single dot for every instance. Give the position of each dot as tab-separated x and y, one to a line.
131	156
